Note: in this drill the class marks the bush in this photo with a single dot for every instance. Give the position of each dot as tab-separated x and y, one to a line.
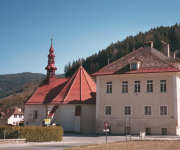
32	133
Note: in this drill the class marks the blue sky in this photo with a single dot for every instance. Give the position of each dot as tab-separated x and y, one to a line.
80	28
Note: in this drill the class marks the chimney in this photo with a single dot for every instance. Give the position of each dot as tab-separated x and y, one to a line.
174	55
148	45
166	48
7	110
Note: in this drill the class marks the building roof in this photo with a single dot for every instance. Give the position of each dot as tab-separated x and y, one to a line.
79	89
47	92
7	113
150	63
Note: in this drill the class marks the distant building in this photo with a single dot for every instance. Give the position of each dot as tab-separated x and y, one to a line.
11	116
144	87
69	102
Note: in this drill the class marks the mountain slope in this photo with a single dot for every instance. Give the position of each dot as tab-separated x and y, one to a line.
15	83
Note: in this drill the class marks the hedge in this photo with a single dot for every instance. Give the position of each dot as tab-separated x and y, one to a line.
32	133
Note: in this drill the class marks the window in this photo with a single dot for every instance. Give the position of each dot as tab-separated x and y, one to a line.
20	116
134	66
149	85
14	123
148	131
163	110
124	86
15	116
127	110
164	131
136	86
109	87
107	110
35	114
147	110
162	85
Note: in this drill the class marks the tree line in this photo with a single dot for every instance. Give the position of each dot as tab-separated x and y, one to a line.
119	49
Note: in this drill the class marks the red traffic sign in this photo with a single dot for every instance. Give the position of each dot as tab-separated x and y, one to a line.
106	124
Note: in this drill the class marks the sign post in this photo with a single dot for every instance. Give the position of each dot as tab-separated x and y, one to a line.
106	124
128	128
47	121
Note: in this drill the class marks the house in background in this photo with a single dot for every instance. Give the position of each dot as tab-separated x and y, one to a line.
69	102
142	89
11	116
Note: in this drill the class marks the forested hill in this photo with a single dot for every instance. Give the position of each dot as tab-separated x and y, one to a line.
119	49
15	83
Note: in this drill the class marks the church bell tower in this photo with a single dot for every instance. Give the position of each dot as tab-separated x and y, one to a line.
51	65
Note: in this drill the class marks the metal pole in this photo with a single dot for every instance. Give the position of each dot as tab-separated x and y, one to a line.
46	112
126	129
130	129
5	134
106	135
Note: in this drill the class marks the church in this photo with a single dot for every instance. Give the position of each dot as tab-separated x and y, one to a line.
68	102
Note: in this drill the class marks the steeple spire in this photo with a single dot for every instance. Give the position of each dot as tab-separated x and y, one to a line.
52	39
51	64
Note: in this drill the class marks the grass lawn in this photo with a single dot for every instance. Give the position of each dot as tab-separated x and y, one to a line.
132	145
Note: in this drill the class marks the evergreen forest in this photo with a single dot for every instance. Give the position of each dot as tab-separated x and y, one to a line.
114	51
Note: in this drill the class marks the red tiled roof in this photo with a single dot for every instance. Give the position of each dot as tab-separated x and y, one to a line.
47	92
134	59
79	89
17	112
149	64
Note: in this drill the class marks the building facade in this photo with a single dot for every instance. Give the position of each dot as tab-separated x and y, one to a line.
140	91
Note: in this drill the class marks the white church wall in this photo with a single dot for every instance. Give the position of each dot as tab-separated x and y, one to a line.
77	124
29	115
65	116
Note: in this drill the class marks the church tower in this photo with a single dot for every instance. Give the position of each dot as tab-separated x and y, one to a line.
51	65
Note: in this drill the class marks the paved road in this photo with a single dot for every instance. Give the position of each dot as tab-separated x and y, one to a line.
72	140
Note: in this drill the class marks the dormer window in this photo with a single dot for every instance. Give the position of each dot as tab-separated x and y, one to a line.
134	66
134	63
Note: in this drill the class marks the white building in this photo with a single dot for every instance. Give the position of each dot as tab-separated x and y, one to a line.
12	116
143	86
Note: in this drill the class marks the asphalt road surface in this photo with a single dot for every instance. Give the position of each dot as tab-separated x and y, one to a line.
73	140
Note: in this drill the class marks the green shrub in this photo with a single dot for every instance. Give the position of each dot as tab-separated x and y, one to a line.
32	133
11	132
